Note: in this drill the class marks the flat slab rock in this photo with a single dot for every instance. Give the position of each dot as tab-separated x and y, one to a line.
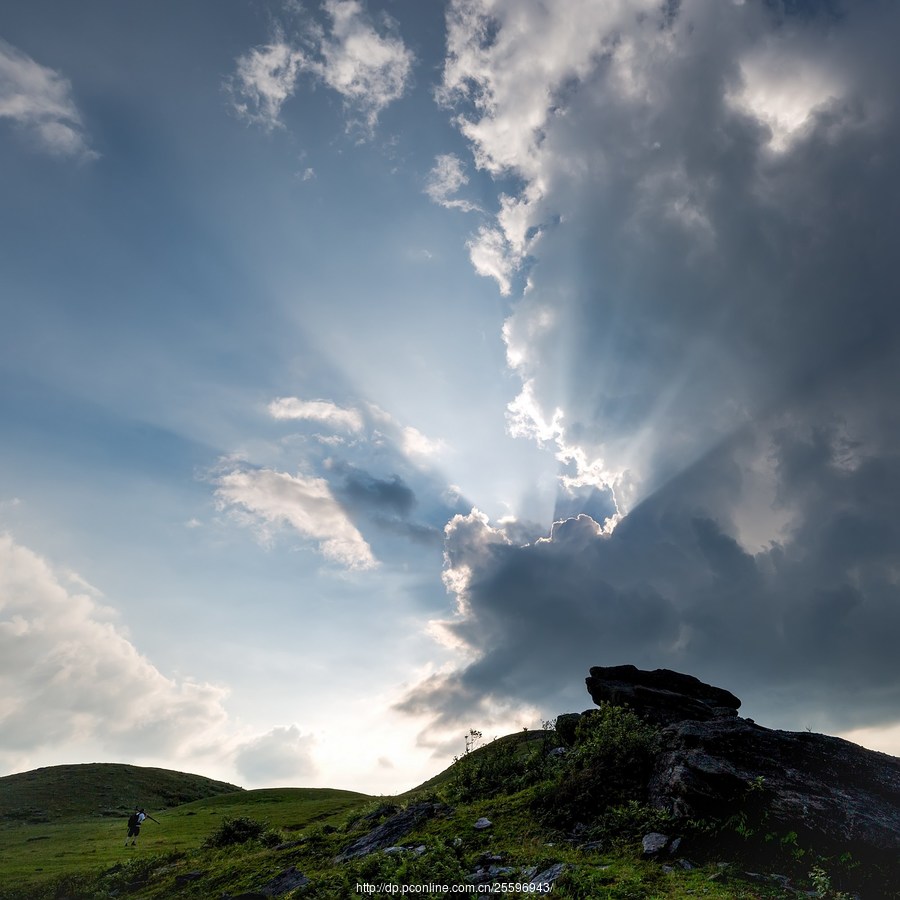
661	696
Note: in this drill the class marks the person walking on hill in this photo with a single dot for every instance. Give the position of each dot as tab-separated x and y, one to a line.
135	820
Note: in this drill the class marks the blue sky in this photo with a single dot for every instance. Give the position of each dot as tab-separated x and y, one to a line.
371	370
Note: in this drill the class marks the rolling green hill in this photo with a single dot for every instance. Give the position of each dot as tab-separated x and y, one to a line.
59	793
37	856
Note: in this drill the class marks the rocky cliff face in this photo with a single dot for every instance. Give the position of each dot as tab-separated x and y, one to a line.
824	788
713	764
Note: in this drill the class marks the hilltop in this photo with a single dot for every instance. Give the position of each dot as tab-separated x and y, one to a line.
59	793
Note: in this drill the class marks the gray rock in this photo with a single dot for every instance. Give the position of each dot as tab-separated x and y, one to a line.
483	823
485	874
660	696
654	843
389	831
288	880
834	793
557	752
548	876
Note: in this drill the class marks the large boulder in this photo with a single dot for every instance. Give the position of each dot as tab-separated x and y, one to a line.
661	696
825	789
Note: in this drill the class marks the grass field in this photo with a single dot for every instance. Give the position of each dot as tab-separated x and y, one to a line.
73	819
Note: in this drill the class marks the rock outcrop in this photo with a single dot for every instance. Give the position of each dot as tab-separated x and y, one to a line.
661	696
826	789
833	794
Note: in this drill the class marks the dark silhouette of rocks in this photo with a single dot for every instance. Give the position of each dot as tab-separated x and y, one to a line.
828	790
661	696
712	765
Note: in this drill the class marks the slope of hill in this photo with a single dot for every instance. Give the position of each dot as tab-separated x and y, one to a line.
59	793
618	802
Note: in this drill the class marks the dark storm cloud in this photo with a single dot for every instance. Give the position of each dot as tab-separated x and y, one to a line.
804	630
716	314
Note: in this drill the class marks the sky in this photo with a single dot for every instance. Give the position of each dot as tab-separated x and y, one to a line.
371	370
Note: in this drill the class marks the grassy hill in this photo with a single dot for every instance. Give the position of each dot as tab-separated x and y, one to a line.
520	744
58	793
581	812
36	857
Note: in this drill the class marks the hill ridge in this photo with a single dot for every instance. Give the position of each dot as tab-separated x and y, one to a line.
57	793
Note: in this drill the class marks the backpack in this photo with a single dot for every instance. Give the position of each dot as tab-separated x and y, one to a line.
133	820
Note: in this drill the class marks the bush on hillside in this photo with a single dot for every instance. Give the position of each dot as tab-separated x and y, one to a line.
240	830
609	766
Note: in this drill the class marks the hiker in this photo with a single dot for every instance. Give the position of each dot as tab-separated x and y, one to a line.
135	820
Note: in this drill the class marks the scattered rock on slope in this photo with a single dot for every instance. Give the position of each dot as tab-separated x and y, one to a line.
391	830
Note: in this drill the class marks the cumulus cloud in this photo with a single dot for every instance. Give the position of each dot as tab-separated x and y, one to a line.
69	676
39	100
659	251
323	411
306	504
280	756
369	67
707	341
803	629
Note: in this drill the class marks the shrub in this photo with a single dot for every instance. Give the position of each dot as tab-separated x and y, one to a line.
609	766
240	830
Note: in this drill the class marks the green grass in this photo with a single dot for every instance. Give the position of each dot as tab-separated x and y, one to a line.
35	854
79	855
521	743
102	790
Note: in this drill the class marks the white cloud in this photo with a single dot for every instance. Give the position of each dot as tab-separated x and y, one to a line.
783	90
491	255
39	100
445	179
416	444
317	411
69	677
266	77
413	443
305	504
368	69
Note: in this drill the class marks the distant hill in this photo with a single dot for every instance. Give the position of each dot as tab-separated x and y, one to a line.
61	793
